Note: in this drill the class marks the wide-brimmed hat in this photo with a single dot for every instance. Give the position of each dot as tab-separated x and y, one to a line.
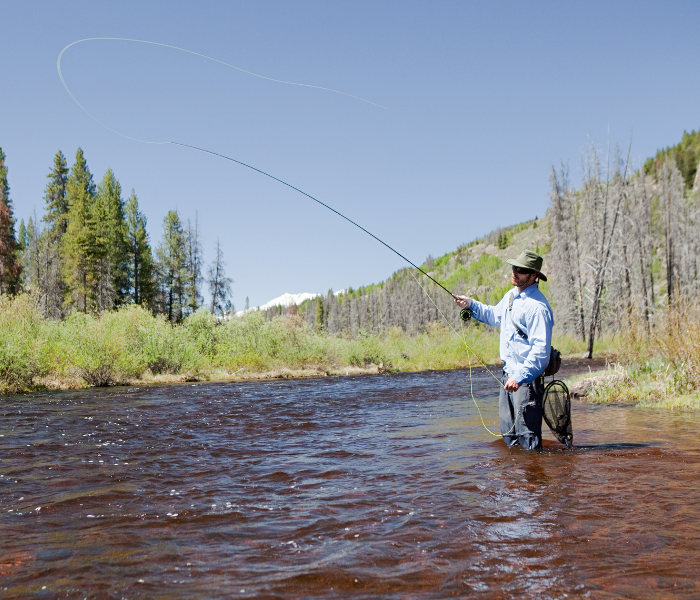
529	260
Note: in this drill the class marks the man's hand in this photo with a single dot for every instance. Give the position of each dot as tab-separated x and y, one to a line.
511	385
462	301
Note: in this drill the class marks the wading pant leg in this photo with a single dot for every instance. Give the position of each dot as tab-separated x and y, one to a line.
520	414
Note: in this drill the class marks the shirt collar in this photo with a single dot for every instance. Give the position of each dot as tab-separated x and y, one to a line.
528	291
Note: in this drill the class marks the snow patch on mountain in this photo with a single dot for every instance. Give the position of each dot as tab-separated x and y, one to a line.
285	299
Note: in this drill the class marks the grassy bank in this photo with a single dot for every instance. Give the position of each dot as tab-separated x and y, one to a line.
657	367
655	383
132	346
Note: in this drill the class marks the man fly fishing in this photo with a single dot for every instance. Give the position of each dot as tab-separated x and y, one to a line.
526	321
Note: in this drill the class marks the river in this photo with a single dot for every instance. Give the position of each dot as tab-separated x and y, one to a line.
381	486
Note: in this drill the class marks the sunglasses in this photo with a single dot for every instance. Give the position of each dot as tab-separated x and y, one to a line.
521	271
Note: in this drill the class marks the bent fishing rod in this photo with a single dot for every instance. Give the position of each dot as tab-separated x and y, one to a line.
289	185
465	313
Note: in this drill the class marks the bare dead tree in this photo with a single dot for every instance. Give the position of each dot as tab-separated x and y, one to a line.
219	284
602	202
565	258
671	194
640	219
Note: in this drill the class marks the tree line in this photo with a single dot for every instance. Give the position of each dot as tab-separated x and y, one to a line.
625	244
91	252
408	300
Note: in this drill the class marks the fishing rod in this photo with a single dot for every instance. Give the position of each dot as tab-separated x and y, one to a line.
289	185
465	313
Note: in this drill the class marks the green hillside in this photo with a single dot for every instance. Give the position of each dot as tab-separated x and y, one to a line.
686	154
411	302
478	269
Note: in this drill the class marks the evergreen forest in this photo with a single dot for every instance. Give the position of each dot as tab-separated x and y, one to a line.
90	251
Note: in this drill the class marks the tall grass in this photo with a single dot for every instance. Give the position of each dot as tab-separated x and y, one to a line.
657	366
131	344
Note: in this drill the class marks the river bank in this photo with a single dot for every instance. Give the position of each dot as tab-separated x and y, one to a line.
570	368
662	387
131	346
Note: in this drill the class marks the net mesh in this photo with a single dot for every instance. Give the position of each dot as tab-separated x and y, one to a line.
557	412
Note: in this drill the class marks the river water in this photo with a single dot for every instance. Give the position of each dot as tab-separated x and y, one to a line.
375	486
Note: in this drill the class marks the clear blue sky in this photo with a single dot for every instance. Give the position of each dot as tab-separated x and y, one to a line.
481	99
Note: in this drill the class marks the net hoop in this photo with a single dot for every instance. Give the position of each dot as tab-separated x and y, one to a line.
556	411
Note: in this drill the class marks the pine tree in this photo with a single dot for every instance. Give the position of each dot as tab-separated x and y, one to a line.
55	196
22	238
319	313
52	286
10	268
29	253
140	258
23	245
80	239
110	251
219	284
172	268
194	266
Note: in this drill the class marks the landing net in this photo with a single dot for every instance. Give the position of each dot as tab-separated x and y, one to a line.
557	411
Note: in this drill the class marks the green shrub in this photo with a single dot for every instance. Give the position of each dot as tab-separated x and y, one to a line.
98	353
201	329
23	344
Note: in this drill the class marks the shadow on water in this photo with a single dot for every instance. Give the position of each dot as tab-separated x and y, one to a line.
381	486
616	446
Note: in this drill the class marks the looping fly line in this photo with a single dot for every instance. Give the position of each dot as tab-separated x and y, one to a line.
216	60
203	150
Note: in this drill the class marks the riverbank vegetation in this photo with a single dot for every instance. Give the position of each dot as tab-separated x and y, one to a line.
131	345
654	369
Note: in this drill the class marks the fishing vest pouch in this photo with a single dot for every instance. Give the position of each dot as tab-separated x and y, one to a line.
554	354
554	363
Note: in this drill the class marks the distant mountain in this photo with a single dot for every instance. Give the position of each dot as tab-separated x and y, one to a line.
284	300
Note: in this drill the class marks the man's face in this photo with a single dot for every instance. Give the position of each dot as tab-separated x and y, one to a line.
522	278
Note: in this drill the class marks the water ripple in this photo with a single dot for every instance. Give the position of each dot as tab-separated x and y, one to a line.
382	486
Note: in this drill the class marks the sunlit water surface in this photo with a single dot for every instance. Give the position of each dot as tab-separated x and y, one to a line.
376	486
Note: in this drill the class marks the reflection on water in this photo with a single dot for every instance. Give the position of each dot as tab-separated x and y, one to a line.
383	486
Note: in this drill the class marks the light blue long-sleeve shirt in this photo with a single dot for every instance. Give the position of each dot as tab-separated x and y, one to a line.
525	360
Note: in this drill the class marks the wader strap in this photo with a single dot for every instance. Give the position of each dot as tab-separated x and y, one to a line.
510	312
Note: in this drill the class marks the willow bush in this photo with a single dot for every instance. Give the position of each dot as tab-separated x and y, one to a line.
24	344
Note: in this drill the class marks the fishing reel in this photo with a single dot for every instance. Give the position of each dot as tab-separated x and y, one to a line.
465	314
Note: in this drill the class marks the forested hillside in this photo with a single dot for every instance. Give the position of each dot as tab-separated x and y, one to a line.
685	154
409	300
618	250
625	245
